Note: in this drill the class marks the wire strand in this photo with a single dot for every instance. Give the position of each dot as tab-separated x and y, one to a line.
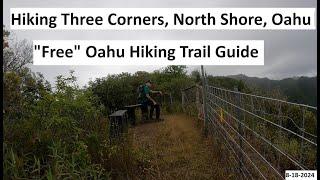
288	130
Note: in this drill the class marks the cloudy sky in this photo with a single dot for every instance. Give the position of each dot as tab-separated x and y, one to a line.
287	53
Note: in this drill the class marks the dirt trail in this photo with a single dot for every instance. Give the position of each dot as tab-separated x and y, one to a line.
177	150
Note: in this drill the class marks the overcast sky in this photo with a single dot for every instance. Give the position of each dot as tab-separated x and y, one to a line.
287	53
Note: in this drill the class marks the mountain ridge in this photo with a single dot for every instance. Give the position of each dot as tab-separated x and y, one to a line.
299	89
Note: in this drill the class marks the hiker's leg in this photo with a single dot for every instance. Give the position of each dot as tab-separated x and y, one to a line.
144	111
157	111
151	110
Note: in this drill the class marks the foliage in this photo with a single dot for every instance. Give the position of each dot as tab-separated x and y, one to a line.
228	83
63	132
16	54
297	89
45	131
116	91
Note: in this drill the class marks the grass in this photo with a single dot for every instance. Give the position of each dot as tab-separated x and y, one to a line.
177	150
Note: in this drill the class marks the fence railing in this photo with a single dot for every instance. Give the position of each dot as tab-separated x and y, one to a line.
264	136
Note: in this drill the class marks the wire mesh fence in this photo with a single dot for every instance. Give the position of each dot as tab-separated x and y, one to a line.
263	136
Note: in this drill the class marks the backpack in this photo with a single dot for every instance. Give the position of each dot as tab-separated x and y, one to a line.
140	92
140	89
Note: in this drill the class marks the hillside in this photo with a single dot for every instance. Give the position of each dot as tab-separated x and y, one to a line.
297	89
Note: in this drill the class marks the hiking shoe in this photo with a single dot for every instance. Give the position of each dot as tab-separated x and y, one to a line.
152	119
160	119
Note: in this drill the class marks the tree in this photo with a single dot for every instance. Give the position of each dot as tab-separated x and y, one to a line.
176	70
6	34
16	54
21	87
196	76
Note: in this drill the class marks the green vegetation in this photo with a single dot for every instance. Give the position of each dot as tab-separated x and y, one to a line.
299	89
116	91
62	132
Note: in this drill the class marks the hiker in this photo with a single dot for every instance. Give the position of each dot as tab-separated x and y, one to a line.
158	98
146	100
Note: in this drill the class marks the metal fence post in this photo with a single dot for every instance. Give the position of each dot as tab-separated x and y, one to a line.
280	135
240	129
204	96
302	134
198	104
